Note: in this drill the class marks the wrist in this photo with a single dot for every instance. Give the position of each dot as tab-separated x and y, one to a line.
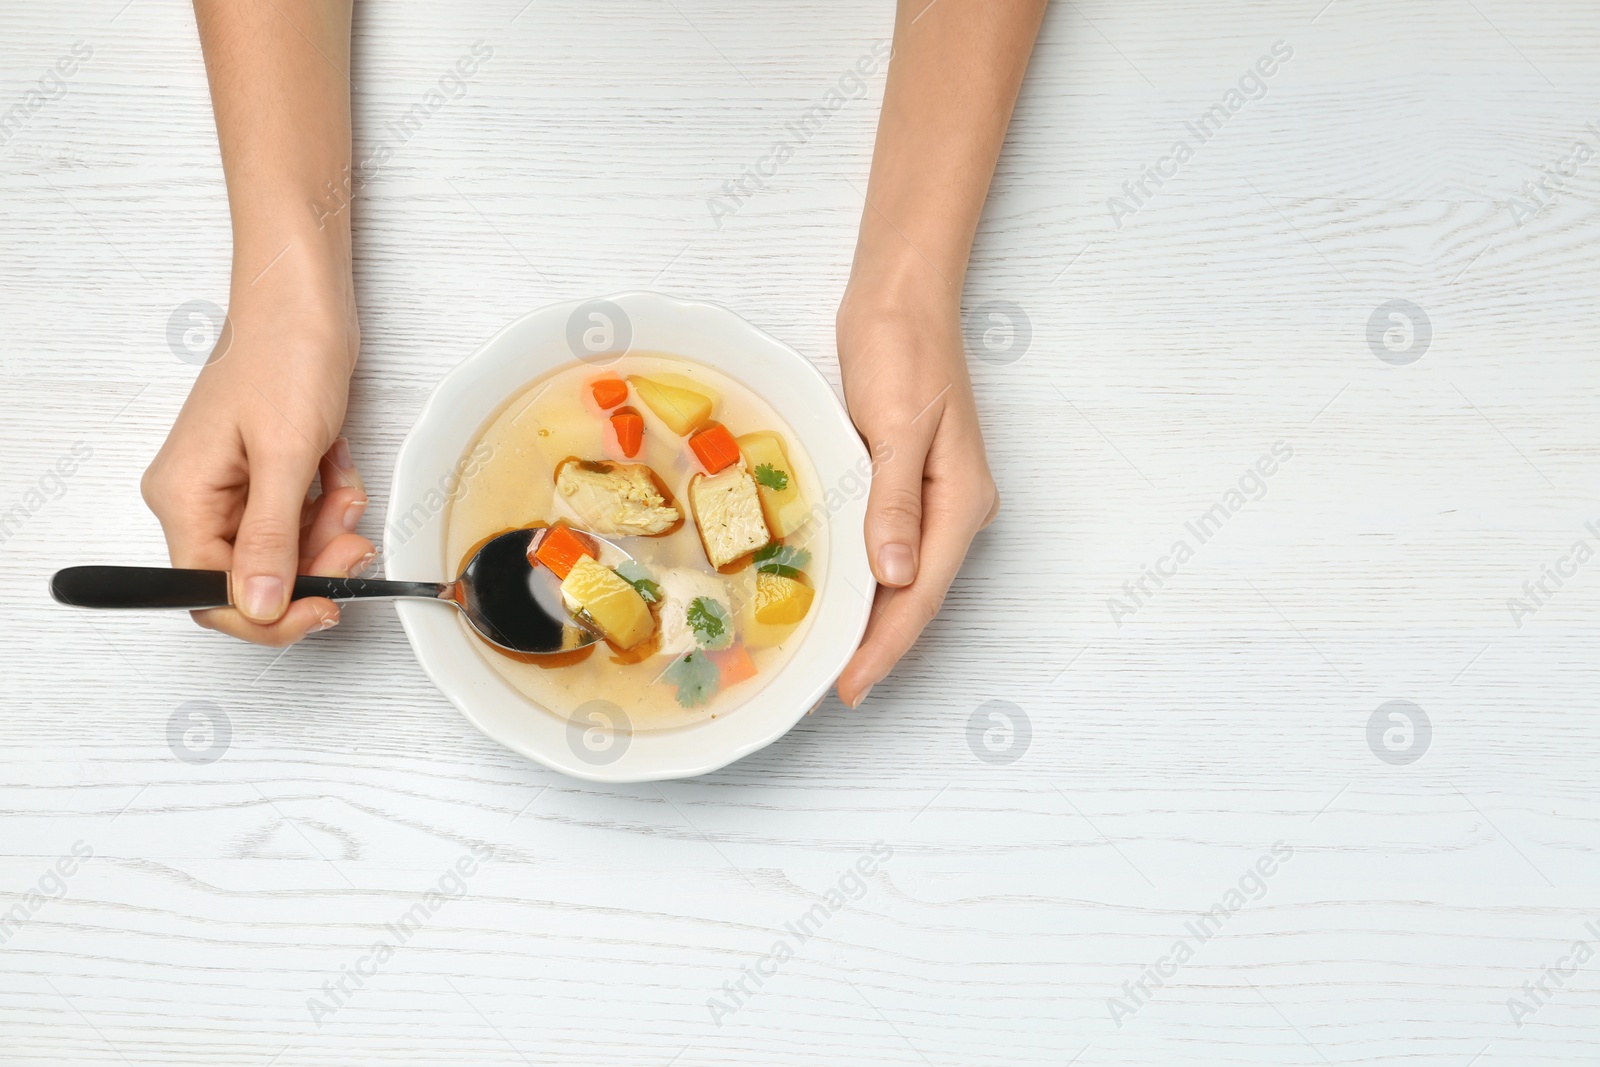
293	290
311	233
293	261
897	283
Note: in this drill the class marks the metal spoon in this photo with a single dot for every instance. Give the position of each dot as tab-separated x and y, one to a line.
512	603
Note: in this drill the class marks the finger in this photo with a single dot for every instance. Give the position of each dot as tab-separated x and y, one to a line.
199	530
894	504
198	500
308	511
301	618
199	523
266	549
341	505
339	469
337	513
342	557
899	615
346	555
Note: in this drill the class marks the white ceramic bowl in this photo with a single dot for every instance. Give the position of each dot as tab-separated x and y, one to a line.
461	406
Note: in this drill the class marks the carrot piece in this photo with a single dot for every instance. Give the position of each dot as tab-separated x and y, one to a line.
560	550
629	425
734	665
609	392
715	448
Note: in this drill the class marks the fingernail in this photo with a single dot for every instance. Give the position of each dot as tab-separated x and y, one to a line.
263	598
328	622
352	514
895	565
360	566
862	699
340	454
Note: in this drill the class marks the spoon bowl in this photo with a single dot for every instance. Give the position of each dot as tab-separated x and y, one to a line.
509	601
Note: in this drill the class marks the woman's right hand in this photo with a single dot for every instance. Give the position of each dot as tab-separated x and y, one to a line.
231	484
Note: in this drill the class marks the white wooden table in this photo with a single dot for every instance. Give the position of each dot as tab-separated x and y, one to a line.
1159	748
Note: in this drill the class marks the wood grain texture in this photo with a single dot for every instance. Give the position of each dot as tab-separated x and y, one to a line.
1169	748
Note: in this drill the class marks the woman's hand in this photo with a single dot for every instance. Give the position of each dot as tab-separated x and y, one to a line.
953	80
905	380
231	484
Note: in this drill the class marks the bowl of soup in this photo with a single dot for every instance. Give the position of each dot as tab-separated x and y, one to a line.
723	467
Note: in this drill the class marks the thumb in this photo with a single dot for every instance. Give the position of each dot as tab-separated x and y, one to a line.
266	550
894	505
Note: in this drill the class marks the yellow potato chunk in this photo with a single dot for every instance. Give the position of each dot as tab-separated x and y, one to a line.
768	459
781	601
683	407
756	635
614	606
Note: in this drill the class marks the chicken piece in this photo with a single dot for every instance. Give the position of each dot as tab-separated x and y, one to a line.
727	510
616	499
680	588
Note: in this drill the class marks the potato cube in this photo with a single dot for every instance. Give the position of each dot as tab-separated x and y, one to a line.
781	601
768	459
683	407
615	607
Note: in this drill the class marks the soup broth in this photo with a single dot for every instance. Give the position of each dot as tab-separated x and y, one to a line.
696	478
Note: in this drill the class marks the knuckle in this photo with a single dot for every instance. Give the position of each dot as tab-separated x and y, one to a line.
168	485
265	539
893	421
899	508
155	487
969	501
987	503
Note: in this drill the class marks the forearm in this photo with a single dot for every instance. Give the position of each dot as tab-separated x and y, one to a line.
279	87
953	81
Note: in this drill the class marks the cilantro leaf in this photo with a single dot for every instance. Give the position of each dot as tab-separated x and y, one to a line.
769	476
710	623
786	560
695	677
633	572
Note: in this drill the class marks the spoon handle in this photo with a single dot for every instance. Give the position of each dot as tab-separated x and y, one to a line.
368	588
166	587
140	587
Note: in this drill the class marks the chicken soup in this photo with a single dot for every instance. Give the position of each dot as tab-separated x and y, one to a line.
693	476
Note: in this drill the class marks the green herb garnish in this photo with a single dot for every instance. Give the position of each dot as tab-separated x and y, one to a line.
695	677
771	477
710	623
634	573
781	559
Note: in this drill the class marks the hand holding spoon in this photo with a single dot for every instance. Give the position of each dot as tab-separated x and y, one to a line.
511	602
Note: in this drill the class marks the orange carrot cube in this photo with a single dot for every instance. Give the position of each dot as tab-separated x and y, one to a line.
734	665
715	448
609	392
629	426
560	550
